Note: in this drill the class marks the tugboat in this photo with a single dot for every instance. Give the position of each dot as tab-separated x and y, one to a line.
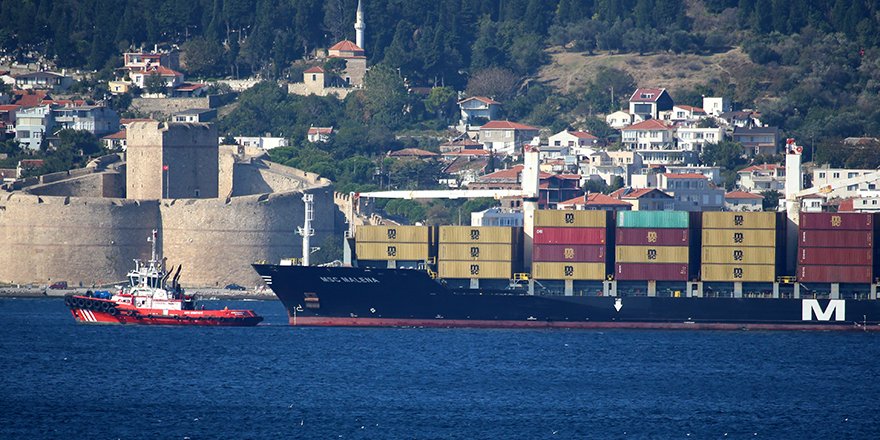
151	299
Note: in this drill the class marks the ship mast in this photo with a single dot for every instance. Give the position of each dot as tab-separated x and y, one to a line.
306	230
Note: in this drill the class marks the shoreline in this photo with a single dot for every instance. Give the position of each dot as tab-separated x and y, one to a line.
202	294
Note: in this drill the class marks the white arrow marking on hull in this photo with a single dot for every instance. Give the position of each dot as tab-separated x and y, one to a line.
618	304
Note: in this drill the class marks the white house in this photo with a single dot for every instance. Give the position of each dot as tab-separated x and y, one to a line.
265	143
610	164
43	81
682	113
763	177
506	137
695	138
715	106
479	107
497	217
319	134
579	143
743	201
648	103
826	176
170	77
655	142
620	119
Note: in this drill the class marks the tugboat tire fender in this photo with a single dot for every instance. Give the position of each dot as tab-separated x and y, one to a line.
112	311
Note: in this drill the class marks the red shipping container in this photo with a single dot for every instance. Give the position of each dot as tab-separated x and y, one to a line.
651	272
569	235
836	239
575	253
857	221
652	236
842	256
834	274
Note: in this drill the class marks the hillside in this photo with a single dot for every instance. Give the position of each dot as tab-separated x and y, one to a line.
570	72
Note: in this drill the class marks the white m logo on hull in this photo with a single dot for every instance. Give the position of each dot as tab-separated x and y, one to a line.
812	308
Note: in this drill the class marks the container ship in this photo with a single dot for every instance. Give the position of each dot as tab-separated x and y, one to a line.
599	269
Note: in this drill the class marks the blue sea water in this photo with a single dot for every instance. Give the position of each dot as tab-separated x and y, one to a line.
63	380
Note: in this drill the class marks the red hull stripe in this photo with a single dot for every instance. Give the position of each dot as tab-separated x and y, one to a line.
94	317
445	323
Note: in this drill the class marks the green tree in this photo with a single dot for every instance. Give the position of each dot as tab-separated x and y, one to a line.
154	84
386	97
440	103
771	200
202	57
79	142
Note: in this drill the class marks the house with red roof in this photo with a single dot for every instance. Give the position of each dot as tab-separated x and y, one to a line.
552	188
743	201
645	199
135	61
319	134
683	113
7	117
762	177
506	136
595	202
115	141
692	191
578	143
465	143
479	108
647	103
170	77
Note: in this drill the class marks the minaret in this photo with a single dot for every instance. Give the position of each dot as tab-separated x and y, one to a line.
359	26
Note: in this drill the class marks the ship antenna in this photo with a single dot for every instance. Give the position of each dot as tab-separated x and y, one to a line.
152	240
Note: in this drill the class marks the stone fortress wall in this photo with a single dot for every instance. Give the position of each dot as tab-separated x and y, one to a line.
71	230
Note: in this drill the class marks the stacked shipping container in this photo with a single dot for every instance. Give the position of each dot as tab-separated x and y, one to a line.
835	248
479	252
739	247
569	245
652	245
394	243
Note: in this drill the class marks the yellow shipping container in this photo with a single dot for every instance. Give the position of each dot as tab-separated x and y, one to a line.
475	269
392	251
392	234
739	237
475	252
651	254
739	255
569	218
739	220
739	272
568	271
480	234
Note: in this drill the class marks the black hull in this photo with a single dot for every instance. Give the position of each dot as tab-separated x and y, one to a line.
346	296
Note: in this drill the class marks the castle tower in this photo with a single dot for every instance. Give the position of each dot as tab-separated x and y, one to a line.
171	161
359	26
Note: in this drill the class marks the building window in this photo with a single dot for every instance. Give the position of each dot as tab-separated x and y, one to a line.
836	175
314	77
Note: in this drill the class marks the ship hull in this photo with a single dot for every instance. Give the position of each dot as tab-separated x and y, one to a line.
344	296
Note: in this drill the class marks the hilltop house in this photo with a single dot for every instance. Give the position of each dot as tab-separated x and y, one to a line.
692	192
319	134
758	140
743	201
764	177
655	142
645	199
479	107
648	103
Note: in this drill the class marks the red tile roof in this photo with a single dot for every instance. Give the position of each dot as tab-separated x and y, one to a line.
32	99
118	135
636	193
64	102
582	135
685	176
637	95
320	130
762	167
314	69
31	163
595	199
346	46
483	99
7	173
9	107
691	108
847	205
512	174
467	153
506	125
741	195
650	124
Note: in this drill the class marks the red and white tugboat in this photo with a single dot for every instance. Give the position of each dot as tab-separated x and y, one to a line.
150	298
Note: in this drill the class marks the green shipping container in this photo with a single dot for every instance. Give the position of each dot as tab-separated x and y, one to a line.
652	219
